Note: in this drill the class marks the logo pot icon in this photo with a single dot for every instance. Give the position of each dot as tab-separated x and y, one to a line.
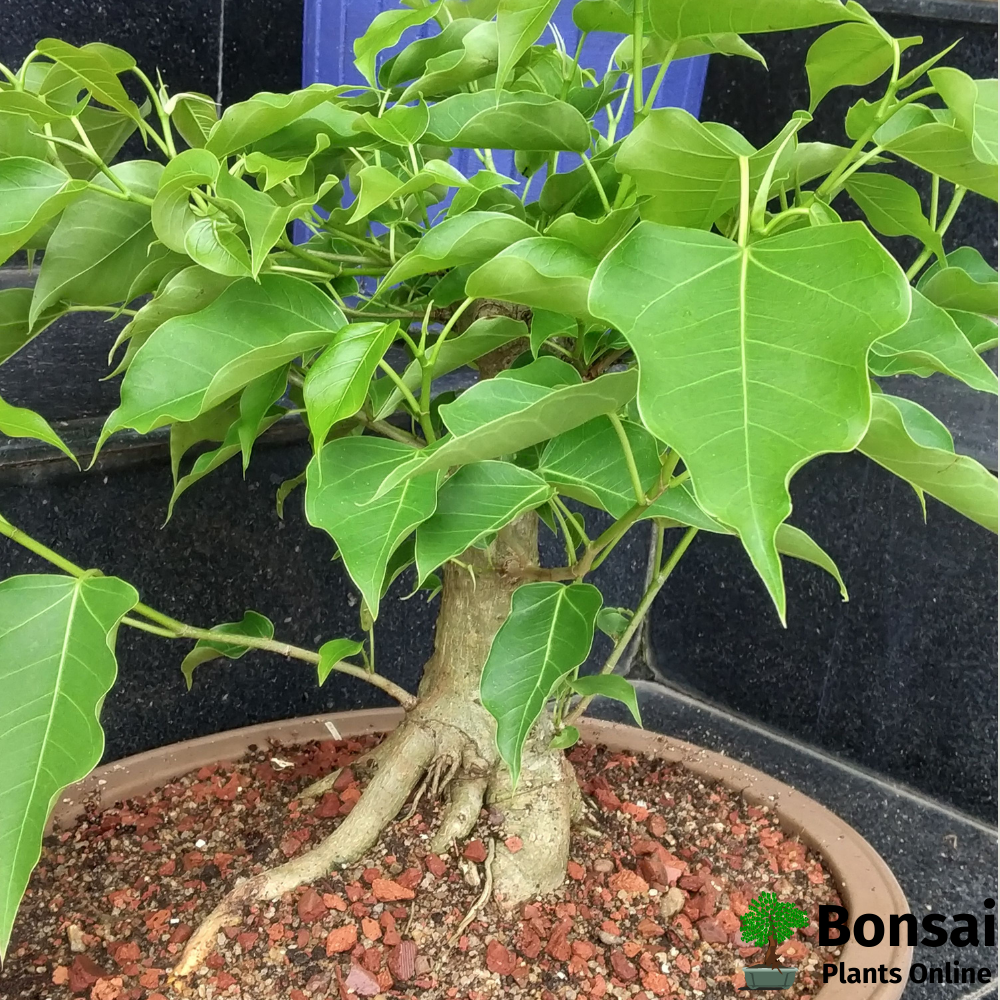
767	923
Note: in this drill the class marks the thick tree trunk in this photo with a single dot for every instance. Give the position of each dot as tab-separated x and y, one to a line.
770	960
448	741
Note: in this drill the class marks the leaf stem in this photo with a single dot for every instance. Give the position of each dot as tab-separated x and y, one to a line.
400	385
570	544
597	182
633	471
949	215
637	45
744	200
661	577
660	74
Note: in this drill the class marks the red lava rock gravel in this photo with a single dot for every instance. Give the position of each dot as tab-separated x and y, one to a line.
650	907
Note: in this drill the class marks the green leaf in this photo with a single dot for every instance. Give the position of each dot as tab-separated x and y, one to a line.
19	422
501	416
172	214
752	360
332	652
520	24
90	64
609	686
385	30
458	65
604	15
256	402
212	242
477	185
337	383
338	480
253	625
15	332
594	236
398	126
547	635
680	18
975	105
107	131
545	325
614	621
545	371
31	193
194	361
100	244
588	464
980	331
574	190
690	172
908	441
276	171
57	637
476	501
212	425
263	219
265	113
945	150
892	207
567	737
194	116
655	49
188	291
967	282
482	336
379	185
541	272
465	239
502	120
849	55
931	341
794	542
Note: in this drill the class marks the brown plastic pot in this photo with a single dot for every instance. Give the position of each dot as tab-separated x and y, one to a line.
864	882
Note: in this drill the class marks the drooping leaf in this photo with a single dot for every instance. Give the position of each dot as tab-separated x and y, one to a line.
194	116
502	416
263	114
483	335
849	55
574	191
379	185
931	341
276	170
503	120
656	49
966	282
339	479
465	239
398	126
263	219
15	331
385	30
99	245
689	171
609	686
912	444
546	324
253	625
57	662
172	213
31	193
680	18
91	65
547	635
980	331
194	361
975	105
20	422
541	272
476	501
256	403
567	737
594	236
892	207
212	425
614	621
520	24
332	652
947	151
588	464
337	383
726	339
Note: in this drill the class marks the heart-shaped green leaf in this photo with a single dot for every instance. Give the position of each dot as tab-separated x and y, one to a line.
331	653
339	477
609	686
727	337
476	501
91	65
966	282
975	105
547	635
849	55
57	662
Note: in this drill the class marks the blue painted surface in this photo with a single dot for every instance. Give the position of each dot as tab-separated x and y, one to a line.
330	27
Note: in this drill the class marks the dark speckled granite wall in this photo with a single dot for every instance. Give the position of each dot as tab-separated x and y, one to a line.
902	679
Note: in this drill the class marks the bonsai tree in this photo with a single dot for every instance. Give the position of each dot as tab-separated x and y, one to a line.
767	923
667	323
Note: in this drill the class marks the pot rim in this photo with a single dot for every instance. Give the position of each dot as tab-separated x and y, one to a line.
863	879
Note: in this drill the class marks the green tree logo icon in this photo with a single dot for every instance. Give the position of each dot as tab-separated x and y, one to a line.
767	923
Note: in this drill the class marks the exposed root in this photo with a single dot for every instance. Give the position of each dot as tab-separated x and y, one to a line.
485	895
460	813
413	749
321	786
